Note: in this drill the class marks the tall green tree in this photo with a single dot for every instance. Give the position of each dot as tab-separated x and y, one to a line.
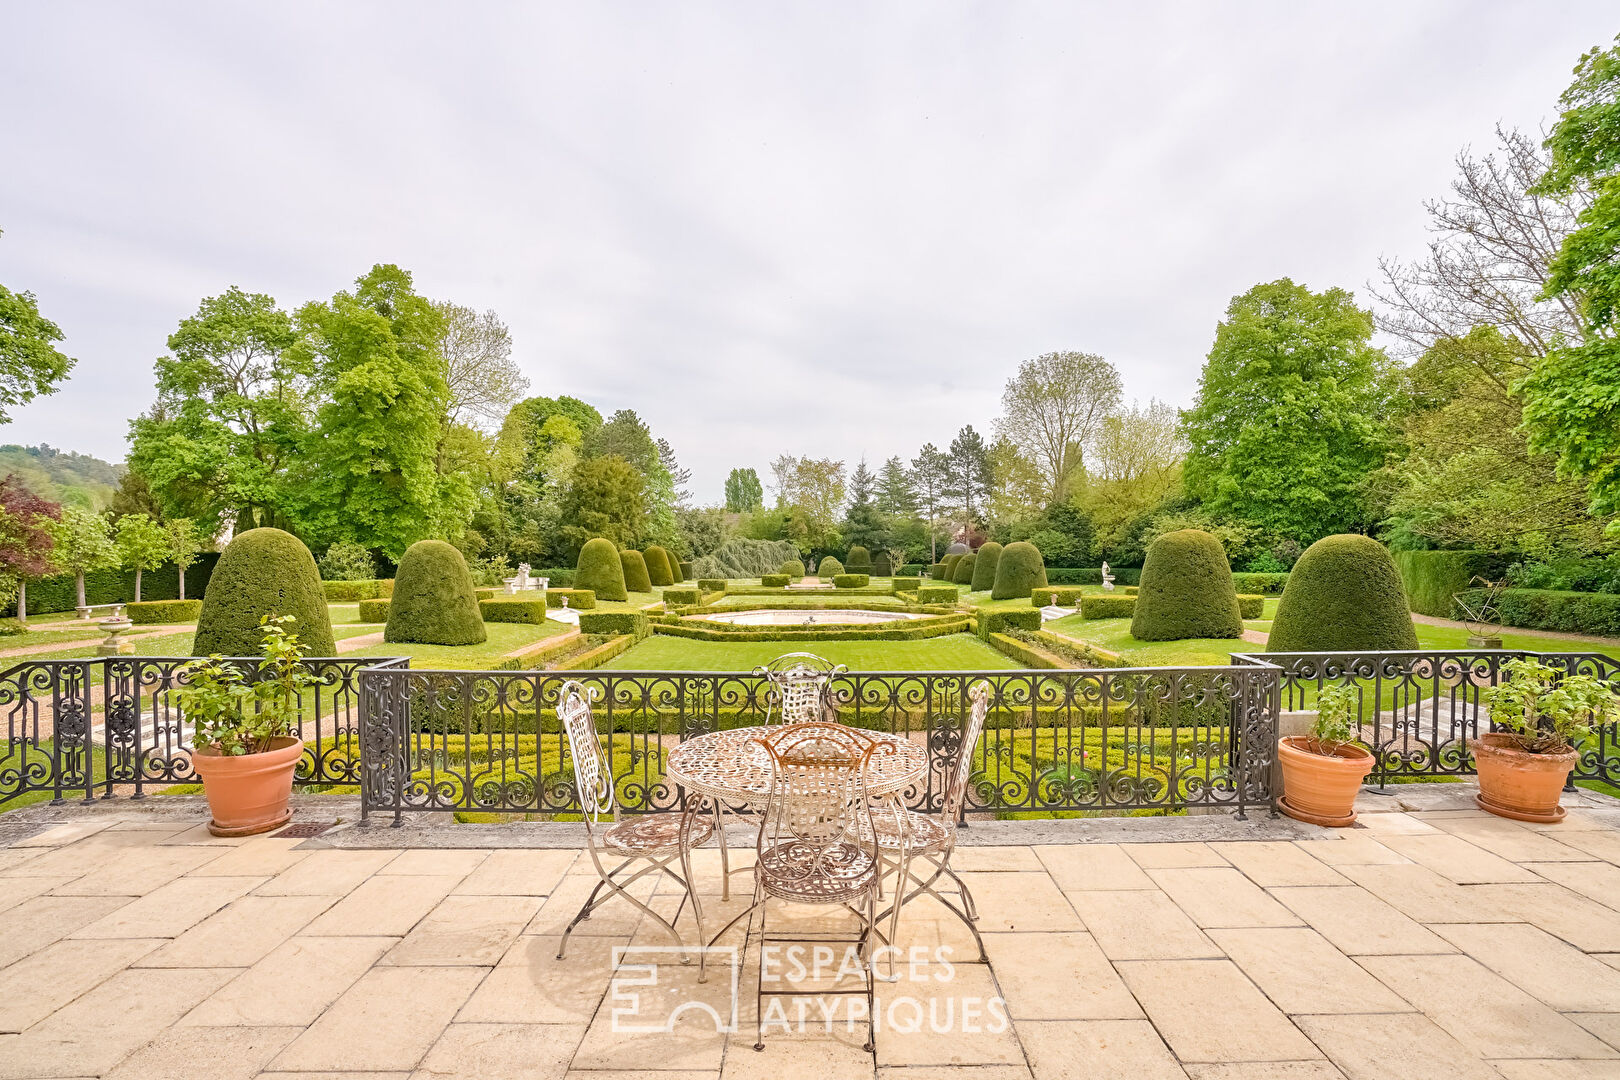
863	524
896	495
930	475
368	469
27	540
968	476
1052	409
1572	396
30	362
231	414
744	492
608	497
185	544
83	543
142	545
1291	413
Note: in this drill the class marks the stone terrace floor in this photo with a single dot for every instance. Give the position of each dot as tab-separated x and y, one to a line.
1434	942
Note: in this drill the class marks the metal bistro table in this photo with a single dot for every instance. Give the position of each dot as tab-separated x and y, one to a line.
729	767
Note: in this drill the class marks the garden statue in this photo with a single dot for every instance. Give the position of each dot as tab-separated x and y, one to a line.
1107	578
1052	611
565	613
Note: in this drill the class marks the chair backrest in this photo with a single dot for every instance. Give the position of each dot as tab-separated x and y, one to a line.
593	771
798	682
956	782
818	794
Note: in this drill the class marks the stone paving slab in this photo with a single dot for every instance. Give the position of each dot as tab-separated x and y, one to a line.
1433	941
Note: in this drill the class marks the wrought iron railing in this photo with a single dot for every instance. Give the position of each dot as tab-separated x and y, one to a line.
76	728
1162	739
1421	711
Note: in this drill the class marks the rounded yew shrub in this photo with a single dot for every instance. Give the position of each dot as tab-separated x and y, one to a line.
949	563
859	560
636	578
675	570
963	574
829	568
794	569
600	571
262	572
659	571
984	568
882	565
1186	590
1343	595
1019	568
433	601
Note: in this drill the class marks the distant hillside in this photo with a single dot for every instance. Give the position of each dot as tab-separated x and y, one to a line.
61	475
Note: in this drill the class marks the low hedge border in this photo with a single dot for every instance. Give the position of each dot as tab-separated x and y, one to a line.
512	610
1263	584
483	594
578	599
716	584
1552	609
374	611
1062	595
681	594
774	581
1028	655
339	592
553	647
1107	607
633	623
163	611
757	590
595	657
852	581
1069	575
913	630
937	571
938	594
1251	606
999	622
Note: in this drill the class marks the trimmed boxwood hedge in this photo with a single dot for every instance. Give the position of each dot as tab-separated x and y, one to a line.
859	560
659	572
1107	606
1344	595
510	609
1092	575
1251	606
949	563
683	567
1432	579
578	599
963	574
433	601
681	594
263	572
148	612
792	569
999	622
600	570
348	591
1018	571
937	571
774	581
829	568
633	623
1555	609
984	567
714	584
1066	595
1186	590
1259	584
881	565
911	630
634	567
59	592
374	611
938	594
851	581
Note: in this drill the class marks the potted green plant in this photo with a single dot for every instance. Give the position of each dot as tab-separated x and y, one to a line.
1539	712
246	745
1323	771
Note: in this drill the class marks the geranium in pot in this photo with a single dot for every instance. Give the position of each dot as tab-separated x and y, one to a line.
1323	771
246	746
1538	711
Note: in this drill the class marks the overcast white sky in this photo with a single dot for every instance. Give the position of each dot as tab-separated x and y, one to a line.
820	229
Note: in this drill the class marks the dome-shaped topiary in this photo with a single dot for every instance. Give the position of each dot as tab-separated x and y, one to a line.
1186	590
984	568
949	563
262	572
1343	595
600	571
636	578
828	568
794	569
859	560
1019	569
963	574
659	571
675	570
433	601
882	565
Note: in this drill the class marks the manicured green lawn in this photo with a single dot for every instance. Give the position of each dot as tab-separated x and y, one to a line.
956	652
797	600
503	638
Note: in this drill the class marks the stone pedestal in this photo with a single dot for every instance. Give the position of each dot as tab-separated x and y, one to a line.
116	644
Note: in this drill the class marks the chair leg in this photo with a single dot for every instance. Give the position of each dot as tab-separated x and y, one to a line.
967	895
871	973
584	913
759	985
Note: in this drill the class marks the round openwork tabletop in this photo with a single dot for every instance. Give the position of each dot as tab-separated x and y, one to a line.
730	765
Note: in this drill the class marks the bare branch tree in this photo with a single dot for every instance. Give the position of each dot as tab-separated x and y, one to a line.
484	380
1053	408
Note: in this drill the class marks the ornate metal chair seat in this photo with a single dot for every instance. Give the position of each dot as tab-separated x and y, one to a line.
798	683
652	835
918	834
804	874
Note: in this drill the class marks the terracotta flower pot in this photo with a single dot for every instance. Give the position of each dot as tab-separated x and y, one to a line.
248	793
1514	783
1321	788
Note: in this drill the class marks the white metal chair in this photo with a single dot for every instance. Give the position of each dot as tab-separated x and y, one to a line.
659	839
810	848
903	836
798	683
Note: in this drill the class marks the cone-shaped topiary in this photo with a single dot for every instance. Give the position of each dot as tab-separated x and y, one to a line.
600	571
659	571
949	563
262	572
794	569
1186	590
963	574
829	567
859	560
984	569
881	565
1018	570
636	578
433	601
1343	595
675	570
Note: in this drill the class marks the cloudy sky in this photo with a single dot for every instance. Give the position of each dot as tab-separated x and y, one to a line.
814	228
